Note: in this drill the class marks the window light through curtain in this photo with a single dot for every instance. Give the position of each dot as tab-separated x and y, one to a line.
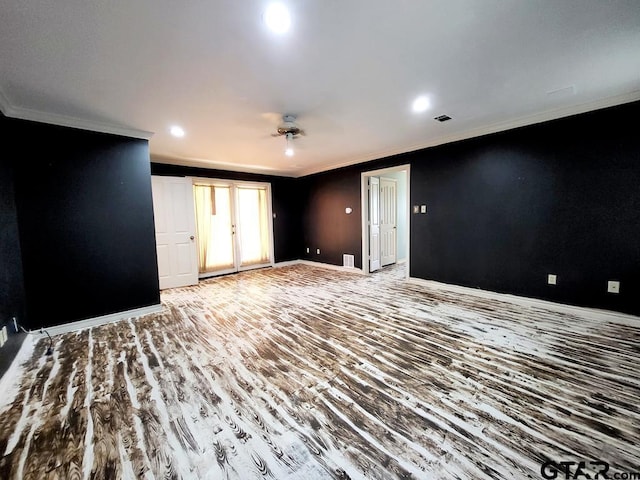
253	219
214	227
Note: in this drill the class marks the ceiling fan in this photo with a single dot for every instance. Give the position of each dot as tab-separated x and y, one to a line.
288	127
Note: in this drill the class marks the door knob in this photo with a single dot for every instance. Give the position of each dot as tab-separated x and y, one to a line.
191	237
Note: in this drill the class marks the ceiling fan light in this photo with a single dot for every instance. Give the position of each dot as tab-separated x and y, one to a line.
277	18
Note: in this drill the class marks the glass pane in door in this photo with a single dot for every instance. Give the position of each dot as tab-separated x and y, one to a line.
214	226
253	225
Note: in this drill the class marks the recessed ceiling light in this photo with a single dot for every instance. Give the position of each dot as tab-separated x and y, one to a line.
177	131
277	18
421	104
289	152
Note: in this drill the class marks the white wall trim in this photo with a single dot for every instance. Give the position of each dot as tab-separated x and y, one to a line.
5	105
96	321
66	121
591	313
288	263
331	267
319	264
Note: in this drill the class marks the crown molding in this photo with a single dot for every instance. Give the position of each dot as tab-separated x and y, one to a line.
554	114
4	103
484	130
65	121
213	165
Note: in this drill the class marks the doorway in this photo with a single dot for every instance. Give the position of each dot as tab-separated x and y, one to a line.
233	227
210	227
385	217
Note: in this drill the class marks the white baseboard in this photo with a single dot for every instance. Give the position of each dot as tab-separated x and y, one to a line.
286	264
96	321
321	265
593	313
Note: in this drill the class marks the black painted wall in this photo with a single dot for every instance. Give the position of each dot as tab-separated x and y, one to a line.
12	298
285	197
505	210
326	226
85	217
561	197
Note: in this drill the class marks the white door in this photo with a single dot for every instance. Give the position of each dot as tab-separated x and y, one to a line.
388	221
374	224
175	231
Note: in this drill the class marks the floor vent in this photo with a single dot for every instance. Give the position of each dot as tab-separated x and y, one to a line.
348	261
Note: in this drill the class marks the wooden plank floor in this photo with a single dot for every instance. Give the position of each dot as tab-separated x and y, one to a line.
306	373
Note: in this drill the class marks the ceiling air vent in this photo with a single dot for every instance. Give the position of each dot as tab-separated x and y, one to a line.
442	118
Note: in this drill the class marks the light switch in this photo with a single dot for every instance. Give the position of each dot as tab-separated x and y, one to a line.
613	286
416	209
423	209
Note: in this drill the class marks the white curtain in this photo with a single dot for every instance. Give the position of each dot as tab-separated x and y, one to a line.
214	227
218	240
253	217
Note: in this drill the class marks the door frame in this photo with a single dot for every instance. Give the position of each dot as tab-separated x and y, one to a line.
233	184
364	199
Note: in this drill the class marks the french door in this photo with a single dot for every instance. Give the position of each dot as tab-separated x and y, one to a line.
233	225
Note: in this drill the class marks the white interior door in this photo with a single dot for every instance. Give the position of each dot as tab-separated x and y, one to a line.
374	224
175	231
388	221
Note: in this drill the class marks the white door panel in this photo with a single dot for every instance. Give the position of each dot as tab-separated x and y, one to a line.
388	221
175	231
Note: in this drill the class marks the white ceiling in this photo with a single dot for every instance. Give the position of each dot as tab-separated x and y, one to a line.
348	70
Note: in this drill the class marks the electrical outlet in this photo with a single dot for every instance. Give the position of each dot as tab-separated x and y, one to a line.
307	249
318	251
416	209
423	209
613	286
552	279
